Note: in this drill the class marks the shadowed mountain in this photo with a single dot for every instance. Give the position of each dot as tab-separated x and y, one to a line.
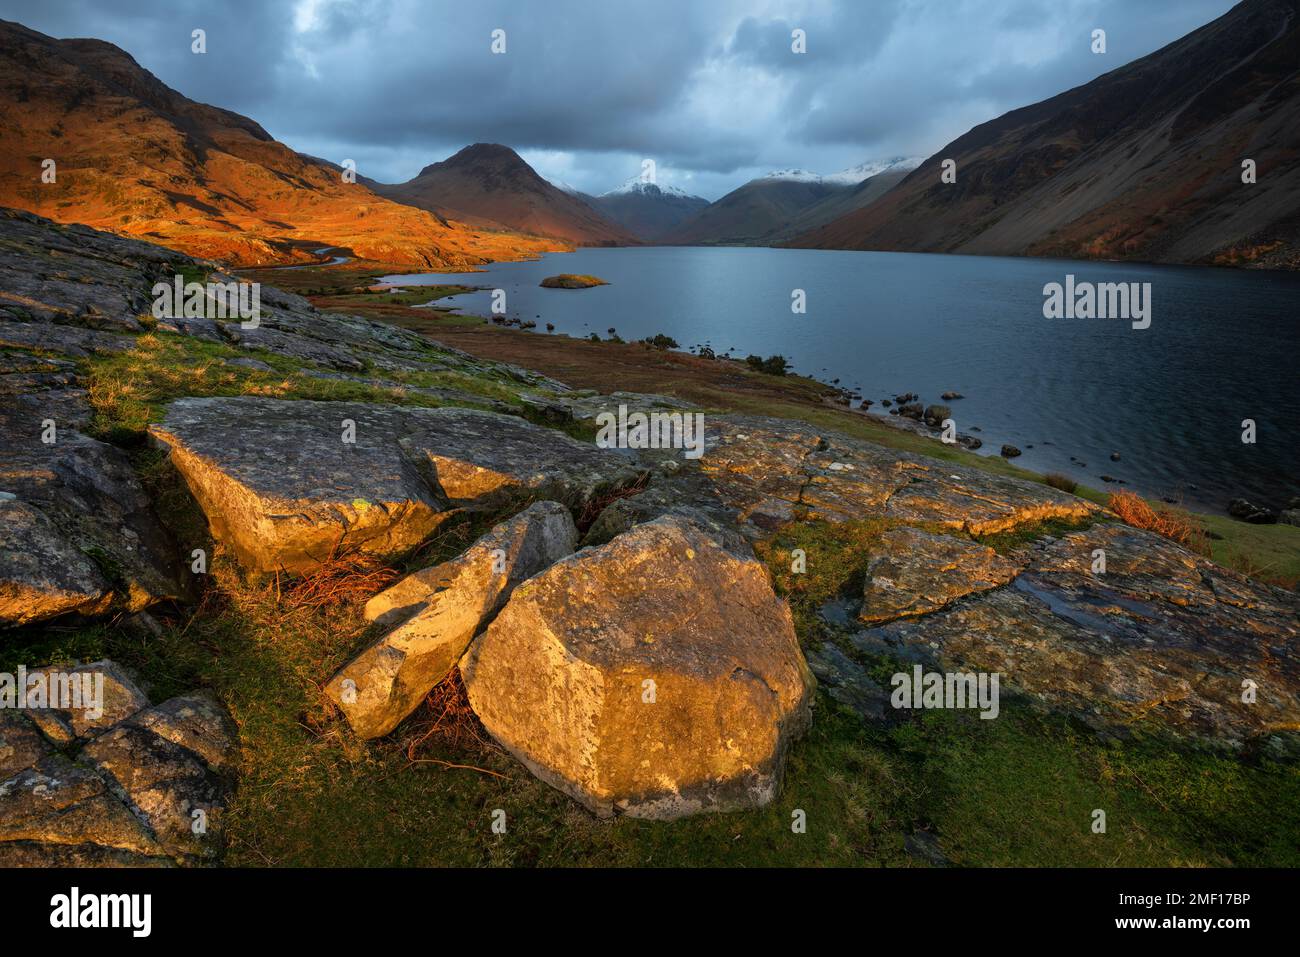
1145	162
646	210
785	203
490	186
133	156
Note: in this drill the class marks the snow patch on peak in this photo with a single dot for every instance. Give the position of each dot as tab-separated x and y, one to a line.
637	186
856	174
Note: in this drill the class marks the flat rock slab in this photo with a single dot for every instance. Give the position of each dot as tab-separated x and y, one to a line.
283	488
484	460
657	675
438	611
915	572
1163	640
762	472
280	484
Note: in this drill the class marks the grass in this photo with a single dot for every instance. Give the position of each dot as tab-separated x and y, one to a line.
130	390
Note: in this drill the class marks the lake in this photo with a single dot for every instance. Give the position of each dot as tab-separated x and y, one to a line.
1222	346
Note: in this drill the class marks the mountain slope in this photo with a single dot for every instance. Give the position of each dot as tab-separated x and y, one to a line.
784	203
647	210
1144	162
135	157
751	212
489	185
838	203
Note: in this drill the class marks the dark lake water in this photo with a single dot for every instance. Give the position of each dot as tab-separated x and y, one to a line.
1222	346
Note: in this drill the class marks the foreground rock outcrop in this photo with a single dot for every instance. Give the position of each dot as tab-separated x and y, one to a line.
78	532
288	484
1162	640
656	676
438	611
133	786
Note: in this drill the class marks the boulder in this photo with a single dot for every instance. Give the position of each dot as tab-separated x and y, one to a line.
79	531
917	572
935	414
483	460
438	611
657	675
137	785
1010	451
42	574
115	693
281	485
1245	511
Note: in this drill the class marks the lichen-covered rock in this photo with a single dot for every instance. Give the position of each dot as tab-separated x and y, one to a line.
916	572
58	802
287	485
147	786
483	460
438	611
1162	639
42	574
179	797
108	696
657	675
760	473
79	534
21	745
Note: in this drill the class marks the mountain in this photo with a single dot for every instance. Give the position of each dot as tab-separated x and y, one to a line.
766	210
647	210
490	186
135	157
1144	162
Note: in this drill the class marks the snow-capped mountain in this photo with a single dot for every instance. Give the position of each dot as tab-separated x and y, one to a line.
637	186
851	176
856	174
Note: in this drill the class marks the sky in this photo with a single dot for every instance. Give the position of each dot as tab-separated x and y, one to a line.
711	90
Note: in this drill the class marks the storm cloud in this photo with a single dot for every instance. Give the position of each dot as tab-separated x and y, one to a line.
711	91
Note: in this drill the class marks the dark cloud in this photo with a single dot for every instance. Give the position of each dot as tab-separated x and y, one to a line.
587	88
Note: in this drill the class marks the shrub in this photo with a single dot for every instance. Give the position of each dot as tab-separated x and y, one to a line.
1173	524
1063	482
772	365
661	341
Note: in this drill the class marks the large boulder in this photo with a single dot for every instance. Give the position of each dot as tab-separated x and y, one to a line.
287	485
657	675
438	611
483	460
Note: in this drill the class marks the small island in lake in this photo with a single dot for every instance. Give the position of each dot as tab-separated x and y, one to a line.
568	280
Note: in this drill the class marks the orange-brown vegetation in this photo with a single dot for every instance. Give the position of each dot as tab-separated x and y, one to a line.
1174	524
